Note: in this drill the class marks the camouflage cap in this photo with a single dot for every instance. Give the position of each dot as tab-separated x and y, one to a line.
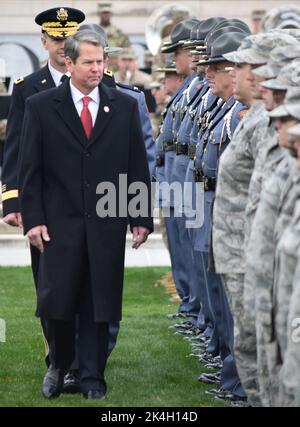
128	53
291	105
104	6
101	32
294	130
169	66
279	57
289	76
157	83
259	51
282	17
258	13
295	32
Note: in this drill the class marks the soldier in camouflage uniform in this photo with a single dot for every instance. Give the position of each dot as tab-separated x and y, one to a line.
271	353
269	157
115	36
278	76
235	172
288	324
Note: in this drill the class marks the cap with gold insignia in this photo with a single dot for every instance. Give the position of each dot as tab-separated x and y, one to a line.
60	22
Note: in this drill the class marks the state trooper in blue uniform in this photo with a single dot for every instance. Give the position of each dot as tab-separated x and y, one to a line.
213	142
176	224
179	260
192	113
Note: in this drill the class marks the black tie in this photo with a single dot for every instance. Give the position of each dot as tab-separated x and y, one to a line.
63	78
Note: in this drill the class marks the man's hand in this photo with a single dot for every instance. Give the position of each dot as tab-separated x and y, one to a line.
38	235
14	219
139	236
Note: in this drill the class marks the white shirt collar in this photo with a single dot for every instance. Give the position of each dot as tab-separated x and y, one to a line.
56	75
77	95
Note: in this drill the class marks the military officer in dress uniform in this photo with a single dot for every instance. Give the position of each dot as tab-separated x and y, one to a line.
56	24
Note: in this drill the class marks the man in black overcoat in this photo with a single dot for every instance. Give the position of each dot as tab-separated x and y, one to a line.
69	146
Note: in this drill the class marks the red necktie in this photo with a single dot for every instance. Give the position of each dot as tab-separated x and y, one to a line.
86	117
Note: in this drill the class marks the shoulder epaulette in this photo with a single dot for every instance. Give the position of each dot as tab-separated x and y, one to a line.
130	87
241	114
19	80
108	73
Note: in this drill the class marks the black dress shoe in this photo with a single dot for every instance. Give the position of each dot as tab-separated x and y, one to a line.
95	395
71	382
53	383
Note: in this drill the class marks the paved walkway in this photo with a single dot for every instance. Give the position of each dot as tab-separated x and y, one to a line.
15	252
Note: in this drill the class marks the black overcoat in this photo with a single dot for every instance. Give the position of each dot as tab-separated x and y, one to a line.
59	171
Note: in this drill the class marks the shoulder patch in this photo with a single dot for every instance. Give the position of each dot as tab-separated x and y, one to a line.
108	73
241	114
19	80
130	87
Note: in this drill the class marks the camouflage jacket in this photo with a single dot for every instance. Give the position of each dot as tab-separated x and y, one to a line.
267	157
261	247
235	170
285	265
116	37
289	375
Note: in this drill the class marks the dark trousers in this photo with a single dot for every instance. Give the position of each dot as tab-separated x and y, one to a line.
113	326
93	340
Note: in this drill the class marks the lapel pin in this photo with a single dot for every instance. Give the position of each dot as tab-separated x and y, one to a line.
106	109
43	81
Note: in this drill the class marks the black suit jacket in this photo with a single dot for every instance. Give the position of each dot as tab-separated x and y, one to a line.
36	82
24	88
59	174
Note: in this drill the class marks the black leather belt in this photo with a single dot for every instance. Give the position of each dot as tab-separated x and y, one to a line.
160	160
168	146
209	183
181	149
191	151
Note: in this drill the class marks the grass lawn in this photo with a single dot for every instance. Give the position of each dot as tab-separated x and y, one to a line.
148	367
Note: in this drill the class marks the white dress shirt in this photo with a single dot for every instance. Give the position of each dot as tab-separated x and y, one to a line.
93	104
56	75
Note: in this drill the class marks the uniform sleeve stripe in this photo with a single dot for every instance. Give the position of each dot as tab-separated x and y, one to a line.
11	194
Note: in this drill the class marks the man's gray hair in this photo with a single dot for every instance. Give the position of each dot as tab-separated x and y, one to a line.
72	44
